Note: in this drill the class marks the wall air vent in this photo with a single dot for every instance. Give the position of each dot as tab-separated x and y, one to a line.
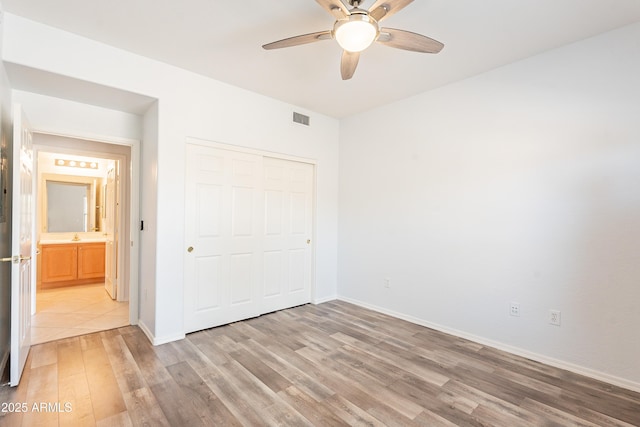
301	118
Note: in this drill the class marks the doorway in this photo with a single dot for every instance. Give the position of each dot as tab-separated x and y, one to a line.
82	276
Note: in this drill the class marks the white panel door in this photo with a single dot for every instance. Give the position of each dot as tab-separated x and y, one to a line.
288	219
110	232
223	212
23	225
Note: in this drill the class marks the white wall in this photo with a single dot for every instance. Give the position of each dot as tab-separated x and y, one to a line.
65	117
189	105
521	184
148	214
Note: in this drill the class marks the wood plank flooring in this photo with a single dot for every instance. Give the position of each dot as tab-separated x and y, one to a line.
333	364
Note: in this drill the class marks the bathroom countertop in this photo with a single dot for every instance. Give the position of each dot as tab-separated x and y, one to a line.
59	242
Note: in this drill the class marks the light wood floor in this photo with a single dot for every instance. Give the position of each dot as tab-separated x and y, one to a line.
75	310
327	365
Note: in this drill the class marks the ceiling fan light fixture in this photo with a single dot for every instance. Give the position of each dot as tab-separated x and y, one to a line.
356	29
356	33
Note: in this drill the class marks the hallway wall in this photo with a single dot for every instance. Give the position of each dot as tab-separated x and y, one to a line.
65	117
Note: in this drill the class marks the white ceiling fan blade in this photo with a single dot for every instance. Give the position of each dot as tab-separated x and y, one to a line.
335	7
348	64
383	9
298	40
407	40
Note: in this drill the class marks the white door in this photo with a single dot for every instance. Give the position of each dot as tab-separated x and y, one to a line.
223	258
249	222
288	214
21	241
110	232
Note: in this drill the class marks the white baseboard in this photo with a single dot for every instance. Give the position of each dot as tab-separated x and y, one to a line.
168	339
581	370
159	340
317	301
146	330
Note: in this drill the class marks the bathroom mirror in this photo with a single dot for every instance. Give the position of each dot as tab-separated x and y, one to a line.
69	204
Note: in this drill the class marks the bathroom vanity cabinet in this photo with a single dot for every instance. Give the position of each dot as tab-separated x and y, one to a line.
68	264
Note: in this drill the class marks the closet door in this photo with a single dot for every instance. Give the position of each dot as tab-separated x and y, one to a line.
288	222
249	222
223	264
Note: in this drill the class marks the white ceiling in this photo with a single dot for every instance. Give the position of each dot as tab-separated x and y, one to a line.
223	40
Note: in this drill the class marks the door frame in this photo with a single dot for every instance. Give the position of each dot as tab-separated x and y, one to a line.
275	155
133	240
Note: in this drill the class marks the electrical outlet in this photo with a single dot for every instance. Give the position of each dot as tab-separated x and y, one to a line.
387	282
514	309
554	317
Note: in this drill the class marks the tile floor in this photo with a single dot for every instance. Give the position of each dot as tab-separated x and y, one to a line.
75	310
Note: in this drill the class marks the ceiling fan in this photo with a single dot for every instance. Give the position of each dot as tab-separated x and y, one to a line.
356	29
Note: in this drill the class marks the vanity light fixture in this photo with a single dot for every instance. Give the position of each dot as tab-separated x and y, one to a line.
76	164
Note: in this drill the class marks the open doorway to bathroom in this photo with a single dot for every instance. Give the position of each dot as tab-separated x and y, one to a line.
82	216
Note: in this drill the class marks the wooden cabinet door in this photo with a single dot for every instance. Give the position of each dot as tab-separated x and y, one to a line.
90	260
59	263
